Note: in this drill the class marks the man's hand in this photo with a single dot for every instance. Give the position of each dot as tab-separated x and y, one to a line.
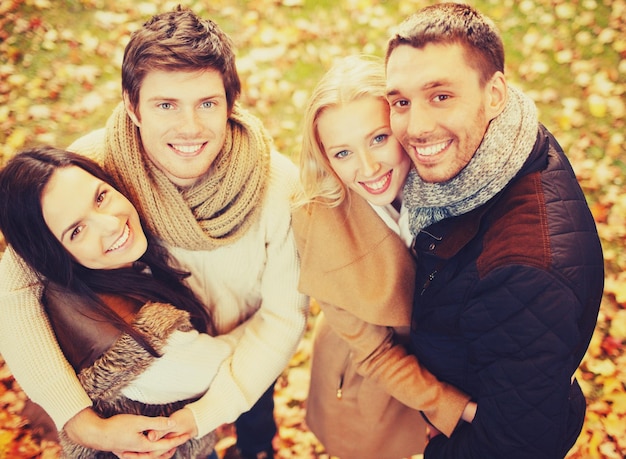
184	425
124	434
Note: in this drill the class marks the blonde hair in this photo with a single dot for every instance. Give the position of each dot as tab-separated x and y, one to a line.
347	80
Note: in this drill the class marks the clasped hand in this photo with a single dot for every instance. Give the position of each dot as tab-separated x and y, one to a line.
132	436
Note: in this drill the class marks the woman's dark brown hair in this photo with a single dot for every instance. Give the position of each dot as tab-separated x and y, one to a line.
22	182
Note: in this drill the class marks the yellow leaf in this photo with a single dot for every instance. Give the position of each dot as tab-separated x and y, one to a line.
601	367
594	444
16	139
618	324
597	106
565	11
617	107
17	80
613	424
616	286
565	121
612	385
4	113
6	438
618	402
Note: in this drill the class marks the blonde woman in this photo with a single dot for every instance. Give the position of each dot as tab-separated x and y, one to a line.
367	392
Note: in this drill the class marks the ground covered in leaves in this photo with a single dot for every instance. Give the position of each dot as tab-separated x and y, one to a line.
59	78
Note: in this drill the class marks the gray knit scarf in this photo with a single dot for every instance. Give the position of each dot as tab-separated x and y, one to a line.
506	146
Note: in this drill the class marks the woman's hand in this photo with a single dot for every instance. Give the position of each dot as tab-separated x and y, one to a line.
124	434
184	424
469	412
432	432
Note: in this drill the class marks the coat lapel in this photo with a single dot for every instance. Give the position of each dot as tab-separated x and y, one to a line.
351	259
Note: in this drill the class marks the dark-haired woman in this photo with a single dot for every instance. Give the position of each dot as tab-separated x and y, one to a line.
135	334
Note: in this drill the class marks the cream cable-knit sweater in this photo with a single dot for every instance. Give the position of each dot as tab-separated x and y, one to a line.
255	278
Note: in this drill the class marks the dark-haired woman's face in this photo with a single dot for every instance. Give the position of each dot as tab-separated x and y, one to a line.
95	223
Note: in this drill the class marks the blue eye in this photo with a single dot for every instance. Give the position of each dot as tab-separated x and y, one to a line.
342	154
380	138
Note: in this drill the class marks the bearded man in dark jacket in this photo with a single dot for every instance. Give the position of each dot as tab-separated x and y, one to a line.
509	264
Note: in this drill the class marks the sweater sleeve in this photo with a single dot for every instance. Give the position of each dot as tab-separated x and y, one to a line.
270	336
189	361
29	345
90	145
388	364
27	341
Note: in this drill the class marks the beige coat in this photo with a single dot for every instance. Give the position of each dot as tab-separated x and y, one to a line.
365	389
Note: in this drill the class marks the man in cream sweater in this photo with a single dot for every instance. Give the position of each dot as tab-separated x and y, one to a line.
203	174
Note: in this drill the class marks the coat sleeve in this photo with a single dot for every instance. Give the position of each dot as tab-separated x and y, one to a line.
521	342
362	276
29	345
389	365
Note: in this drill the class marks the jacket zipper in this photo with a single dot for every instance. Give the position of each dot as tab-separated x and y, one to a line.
341	377
431	277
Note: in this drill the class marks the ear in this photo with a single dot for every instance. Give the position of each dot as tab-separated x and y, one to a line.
496	94
131	111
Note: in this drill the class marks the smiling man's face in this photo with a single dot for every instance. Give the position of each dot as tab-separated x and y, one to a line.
182	118
439	111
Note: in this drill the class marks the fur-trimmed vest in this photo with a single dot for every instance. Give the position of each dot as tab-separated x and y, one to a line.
107	360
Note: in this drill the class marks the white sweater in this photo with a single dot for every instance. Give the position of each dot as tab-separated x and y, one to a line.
252	282
398	222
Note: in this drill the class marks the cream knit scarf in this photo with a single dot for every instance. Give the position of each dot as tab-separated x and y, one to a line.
215	211
506	146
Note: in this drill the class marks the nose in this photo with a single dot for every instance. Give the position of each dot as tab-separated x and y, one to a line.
420	122
108	224
190	121
369	165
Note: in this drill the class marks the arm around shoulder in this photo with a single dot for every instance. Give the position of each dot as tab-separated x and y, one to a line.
90	145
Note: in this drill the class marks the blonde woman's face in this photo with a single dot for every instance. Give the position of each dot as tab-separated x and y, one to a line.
361	149
95	223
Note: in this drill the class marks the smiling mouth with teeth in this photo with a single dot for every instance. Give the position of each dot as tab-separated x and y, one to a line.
187	149
379	184
432	150
121	241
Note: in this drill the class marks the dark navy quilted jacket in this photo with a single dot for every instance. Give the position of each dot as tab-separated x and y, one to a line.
506	302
